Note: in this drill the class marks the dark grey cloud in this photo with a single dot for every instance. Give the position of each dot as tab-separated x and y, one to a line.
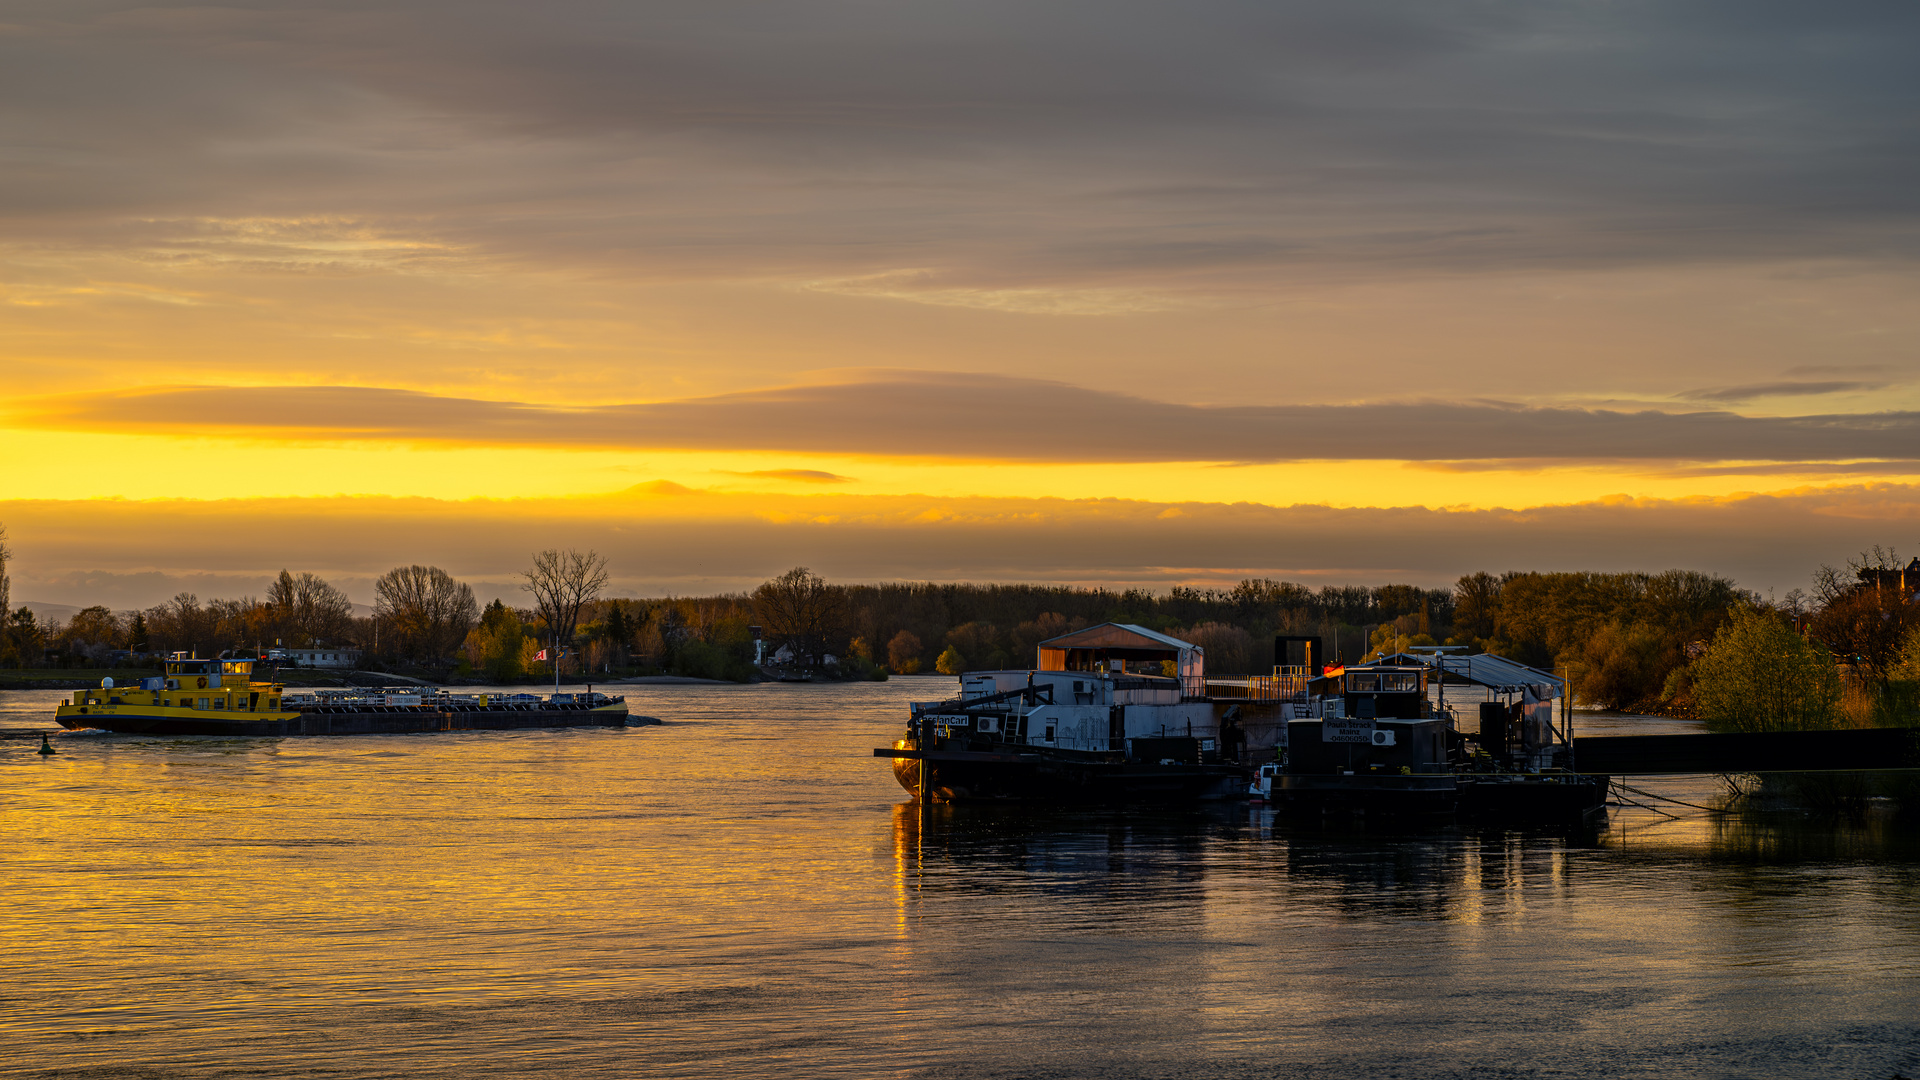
798	476
1731	395
997	141
996	418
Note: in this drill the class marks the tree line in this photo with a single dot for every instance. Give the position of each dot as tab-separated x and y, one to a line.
1847	653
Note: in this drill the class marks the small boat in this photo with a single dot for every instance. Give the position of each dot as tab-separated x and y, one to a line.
222	697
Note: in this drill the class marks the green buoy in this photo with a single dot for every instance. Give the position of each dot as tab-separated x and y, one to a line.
45	746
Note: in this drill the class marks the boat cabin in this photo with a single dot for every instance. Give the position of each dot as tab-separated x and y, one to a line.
1397	691
185	671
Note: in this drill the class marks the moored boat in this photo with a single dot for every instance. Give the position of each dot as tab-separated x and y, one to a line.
1385	747
1113	713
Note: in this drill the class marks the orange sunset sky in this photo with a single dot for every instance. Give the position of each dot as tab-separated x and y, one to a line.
1116	293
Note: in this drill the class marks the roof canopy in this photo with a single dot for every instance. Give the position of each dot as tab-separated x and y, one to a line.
1083	649
1496	673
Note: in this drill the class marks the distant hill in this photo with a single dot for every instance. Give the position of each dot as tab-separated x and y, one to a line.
43	610
63	612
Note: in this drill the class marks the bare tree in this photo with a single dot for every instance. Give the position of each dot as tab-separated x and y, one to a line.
801	609
306	610
428	612
182	625
563	582
6	585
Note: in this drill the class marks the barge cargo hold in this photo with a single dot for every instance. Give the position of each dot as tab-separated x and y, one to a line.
220	697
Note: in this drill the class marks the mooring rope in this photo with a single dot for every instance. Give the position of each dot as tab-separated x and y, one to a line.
1664	798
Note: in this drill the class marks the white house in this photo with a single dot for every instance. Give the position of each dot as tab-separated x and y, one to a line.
325	657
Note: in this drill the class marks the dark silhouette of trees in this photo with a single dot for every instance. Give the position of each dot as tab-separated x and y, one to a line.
303	610
562	583
1867	611
799	609
423	612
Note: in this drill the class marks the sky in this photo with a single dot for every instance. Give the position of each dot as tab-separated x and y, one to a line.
1123	294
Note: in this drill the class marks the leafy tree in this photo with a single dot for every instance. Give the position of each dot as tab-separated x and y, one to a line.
1866	629
1477	605
617	627
93	633
1758	675
497	615
903	653
137	633
1621	662
499	647
981	641
950	662
1229	649
26	638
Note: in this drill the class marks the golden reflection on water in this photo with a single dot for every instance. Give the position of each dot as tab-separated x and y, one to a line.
747	891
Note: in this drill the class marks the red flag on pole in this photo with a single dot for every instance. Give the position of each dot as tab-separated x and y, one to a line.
541	655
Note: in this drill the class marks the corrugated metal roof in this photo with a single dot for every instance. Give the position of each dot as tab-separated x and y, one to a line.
1094	637
1483	669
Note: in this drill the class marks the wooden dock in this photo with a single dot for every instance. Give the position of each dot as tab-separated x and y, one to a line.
1780	751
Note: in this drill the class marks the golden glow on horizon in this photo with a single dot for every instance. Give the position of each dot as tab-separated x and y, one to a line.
64	465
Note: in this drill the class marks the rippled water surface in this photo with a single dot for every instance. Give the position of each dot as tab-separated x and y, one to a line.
742	892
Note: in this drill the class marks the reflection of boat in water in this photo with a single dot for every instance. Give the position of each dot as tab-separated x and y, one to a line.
1386	748
1112	713
221	697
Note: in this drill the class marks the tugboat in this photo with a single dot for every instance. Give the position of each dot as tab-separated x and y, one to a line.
221	697
1385	748
1113	713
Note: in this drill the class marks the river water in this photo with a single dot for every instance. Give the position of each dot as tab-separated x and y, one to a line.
743	892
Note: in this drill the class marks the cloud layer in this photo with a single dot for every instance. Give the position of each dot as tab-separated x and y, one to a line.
668	539
987	145
995	418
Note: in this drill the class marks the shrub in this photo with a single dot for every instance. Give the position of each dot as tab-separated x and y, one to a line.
1758	675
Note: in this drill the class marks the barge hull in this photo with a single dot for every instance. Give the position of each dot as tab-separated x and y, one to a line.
393	720
966	776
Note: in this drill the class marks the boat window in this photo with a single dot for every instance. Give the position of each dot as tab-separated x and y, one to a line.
1363	684
201	704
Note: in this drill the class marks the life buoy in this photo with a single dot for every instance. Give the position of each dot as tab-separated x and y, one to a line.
203	682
